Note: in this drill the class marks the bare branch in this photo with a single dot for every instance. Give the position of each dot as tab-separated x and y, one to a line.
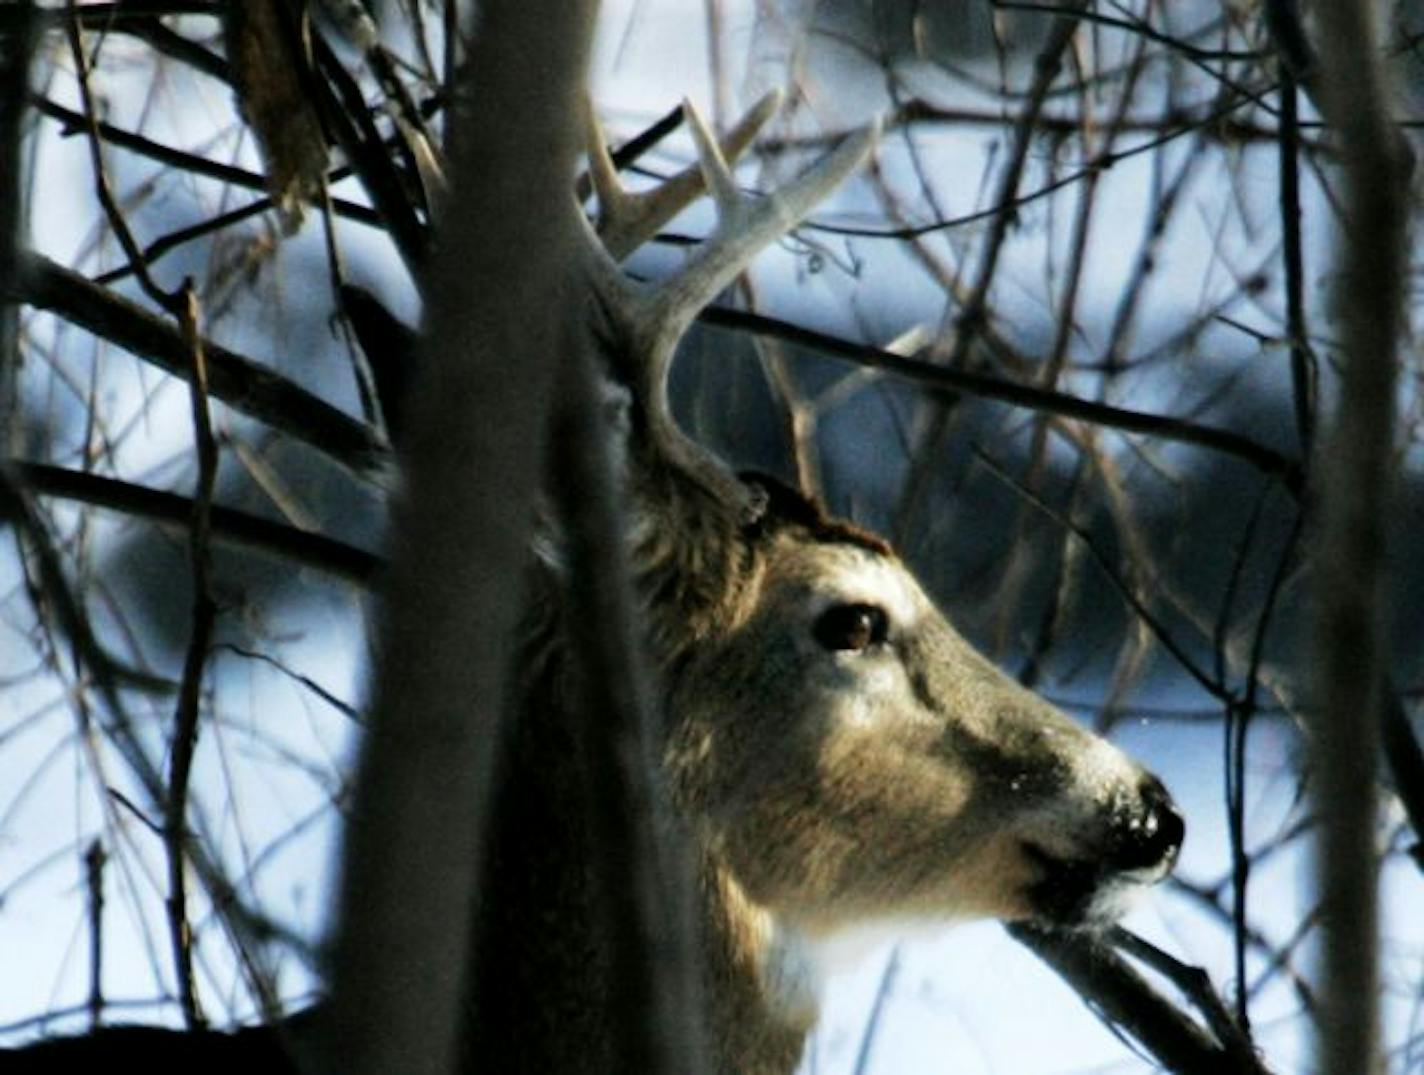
963	329
943	379
94	859
204	617
16	44
472	464
1124	999
1357	478
241	383
229	525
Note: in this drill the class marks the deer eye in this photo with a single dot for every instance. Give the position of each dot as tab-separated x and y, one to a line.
851	627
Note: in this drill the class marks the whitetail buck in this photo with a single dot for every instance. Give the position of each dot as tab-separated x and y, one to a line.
843	759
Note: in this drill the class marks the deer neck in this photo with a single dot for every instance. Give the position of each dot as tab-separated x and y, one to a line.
761	990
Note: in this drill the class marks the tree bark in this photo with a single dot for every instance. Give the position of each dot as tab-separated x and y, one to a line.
497	303
1355	487
16	46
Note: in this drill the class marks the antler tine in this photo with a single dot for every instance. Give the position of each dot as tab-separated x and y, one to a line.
613	201
745	224
716	172
626	220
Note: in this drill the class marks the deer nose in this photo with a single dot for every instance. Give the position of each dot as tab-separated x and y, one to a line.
1152	833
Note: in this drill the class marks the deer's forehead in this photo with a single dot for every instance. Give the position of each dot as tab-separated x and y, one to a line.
826	573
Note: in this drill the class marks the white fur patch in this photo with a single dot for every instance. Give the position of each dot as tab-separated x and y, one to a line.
859	576
790	978
800	963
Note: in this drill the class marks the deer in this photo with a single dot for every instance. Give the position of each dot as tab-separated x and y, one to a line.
843	763
842	760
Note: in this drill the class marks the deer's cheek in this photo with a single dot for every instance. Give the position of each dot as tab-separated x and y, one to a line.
872	827
994	880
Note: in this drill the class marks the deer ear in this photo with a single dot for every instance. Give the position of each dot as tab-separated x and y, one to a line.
774	503
780	505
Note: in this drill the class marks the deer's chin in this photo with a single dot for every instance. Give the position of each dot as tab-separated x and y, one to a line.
1077	894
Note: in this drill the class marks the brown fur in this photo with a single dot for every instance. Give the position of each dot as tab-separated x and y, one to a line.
823	780
804	821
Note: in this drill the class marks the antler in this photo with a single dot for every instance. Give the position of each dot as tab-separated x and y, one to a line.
627	220
651	319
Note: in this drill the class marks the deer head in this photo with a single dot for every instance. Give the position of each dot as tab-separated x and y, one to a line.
844	756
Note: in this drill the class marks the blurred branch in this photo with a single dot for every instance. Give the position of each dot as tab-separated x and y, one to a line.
962	330
228	525
99	16
1284	21
204	616
1356	483
472	463
1406	767
1194	984
17	39
155	1050
942	379
1123	999
94	859
169	42
239	382
185	161
1293	50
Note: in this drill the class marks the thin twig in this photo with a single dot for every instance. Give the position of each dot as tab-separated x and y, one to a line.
94	859
301	547
343	109
974	310
1284	22
240	382
1239	717
185	731
1100	162
877	1010
1129	596
189	162
102	188
70	615
1138	27
941	379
